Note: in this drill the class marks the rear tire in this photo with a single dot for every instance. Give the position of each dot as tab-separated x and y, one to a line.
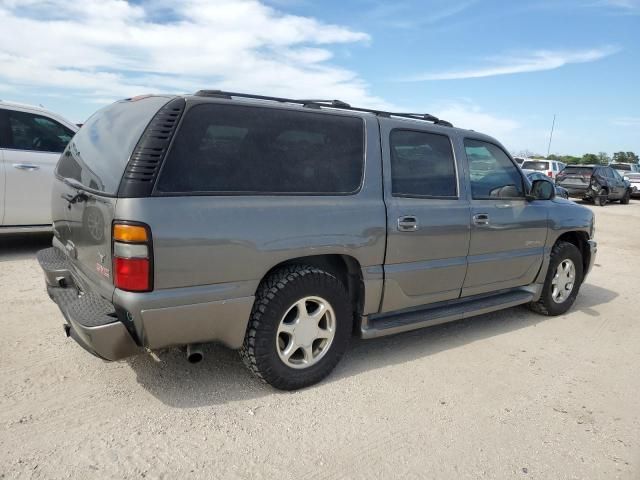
602	198
270	348
565	266
626	198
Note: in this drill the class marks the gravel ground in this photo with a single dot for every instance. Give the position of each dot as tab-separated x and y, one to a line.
506	395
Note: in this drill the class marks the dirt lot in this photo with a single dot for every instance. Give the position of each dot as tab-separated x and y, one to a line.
506	395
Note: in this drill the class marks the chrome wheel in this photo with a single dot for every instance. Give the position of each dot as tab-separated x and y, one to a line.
563	281
306	332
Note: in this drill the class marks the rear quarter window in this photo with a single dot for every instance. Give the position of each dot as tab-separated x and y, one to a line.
236	149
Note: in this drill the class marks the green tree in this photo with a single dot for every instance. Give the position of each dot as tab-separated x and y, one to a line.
632	157
620	157
603	158
590	158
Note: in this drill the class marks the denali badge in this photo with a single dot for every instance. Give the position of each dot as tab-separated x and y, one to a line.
102	270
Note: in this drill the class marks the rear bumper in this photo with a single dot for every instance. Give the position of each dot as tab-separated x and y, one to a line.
117	329
90	320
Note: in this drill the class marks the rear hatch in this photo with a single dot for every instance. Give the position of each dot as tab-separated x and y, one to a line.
85	190
575	177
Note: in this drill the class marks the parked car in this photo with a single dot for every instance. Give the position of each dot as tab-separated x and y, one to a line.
550	168
535	175
31	141
630	172
278	227
595	183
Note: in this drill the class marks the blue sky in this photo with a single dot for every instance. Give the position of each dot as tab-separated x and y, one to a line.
504	68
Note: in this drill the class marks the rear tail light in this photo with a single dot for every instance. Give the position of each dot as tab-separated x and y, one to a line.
549	173
132	266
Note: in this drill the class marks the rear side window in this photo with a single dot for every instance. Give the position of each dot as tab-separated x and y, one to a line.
98	154
233	149
28	131
422	165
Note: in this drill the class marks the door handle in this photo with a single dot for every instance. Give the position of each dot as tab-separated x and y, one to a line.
29	167
481	219
408	224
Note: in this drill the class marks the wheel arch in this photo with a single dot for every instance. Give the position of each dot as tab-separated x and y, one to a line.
581	241
345	267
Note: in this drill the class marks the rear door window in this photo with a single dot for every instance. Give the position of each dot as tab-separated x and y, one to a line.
237	149
493	174
422	165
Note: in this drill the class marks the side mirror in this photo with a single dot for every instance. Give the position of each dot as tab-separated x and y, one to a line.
542	190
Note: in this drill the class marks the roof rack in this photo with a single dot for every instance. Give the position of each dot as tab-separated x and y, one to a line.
312	103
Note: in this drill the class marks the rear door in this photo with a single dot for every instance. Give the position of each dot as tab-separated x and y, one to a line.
508	232
33	147
427	217
87	182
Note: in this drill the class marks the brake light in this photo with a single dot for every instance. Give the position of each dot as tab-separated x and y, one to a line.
132	267
549	173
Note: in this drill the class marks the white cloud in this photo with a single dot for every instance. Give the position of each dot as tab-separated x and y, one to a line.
111	49
530	62
470	116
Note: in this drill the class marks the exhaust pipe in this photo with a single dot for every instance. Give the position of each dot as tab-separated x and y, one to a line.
194	353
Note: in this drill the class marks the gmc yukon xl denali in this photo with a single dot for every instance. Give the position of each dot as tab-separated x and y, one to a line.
280	227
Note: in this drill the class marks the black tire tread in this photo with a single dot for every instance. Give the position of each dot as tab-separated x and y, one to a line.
539	306
267	293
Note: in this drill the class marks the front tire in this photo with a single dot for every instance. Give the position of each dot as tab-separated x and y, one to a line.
299	328
626	198
563	280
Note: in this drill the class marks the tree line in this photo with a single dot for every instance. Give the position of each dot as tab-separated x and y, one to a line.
601	158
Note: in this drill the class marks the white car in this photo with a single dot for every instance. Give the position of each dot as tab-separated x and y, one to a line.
630	172
31	141
550	168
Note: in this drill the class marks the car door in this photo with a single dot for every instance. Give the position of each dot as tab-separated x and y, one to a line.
508	232
618	184
31	152
427	217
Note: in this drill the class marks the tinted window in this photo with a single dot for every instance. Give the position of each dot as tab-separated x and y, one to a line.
100	151
535	165
577	170
28	131
422	164
242	149
622	167
493	174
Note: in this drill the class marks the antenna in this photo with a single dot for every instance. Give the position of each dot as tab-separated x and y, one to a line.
551	135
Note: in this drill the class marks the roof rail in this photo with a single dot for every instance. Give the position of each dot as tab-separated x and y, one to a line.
309	103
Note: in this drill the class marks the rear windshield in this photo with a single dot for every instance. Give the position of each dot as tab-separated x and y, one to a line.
535	165
98	154
621	166
231	149
577	171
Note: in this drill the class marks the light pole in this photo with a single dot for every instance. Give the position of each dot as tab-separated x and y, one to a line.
551	135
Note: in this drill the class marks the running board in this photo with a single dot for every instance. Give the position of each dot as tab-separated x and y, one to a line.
388	324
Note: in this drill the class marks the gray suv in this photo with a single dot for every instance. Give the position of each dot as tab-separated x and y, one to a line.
280	227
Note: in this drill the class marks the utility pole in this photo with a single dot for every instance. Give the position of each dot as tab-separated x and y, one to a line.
551	135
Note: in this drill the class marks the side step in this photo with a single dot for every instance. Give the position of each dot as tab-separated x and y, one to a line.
389	324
